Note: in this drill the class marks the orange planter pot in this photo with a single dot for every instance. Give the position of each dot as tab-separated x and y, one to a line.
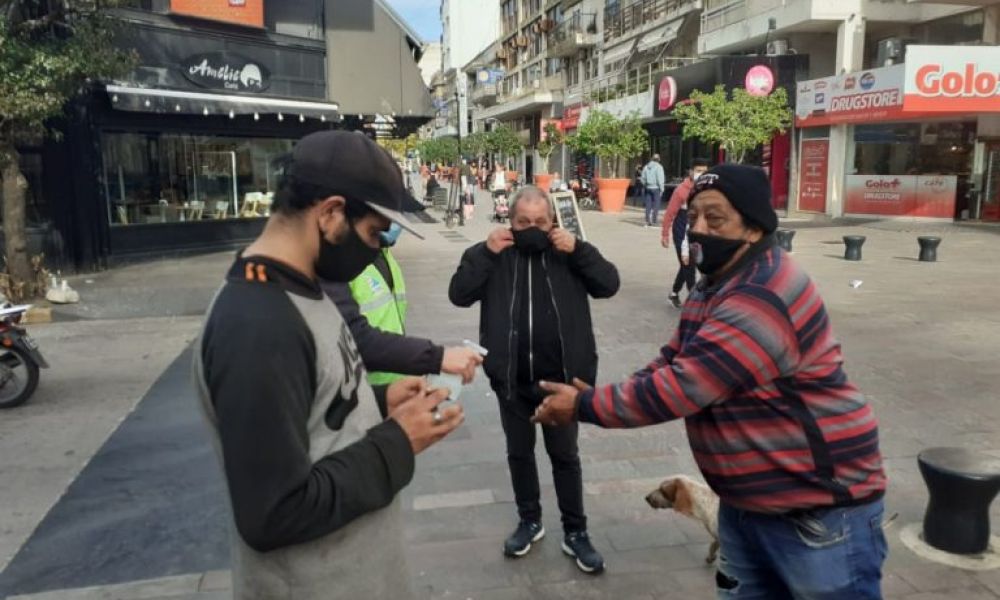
543	181
611	193
511	176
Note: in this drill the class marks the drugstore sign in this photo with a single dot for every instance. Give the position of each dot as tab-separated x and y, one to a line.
952	79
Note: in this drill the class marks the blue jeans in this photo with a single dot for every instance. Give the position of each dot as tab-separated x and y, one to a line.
827	554
651	198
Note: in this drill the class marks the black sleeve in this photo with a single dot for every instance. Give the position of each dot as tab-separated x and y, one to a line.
599	275
468	284
381	392
383	350
260	359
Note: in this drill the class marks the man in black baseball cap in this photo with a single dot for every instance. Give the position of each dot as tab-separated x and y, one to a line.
734	203
314	456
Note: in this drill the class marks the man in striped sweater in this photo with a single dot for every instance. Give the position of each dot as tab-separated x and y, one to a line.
777	429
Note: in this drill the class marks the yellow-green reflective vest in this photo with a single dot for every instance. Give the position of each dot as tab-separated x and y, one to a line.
384	308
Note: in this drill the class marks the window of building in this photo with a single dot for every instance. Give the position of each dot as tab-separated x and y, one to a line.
553	66
535	44
573	73
509	15
170	178
590	65
956	30
555	14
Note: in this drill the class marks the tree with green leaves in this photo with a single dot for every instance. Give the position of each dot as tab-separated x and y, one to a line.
503	140
475	144
554	138
738	122
442	150
611	138
50	52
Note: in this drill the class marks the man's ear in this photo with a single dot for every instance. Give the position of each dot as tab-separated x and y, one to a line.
330	209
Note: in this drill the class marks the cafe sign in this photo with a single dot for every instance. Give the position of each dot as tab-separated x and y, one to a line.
226	71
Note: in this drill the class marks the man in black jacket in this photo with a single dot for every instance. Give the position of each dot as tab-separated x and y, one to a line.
532	282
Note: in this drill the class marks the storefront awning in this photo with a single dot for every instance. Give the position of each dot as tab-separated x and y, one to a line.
154	100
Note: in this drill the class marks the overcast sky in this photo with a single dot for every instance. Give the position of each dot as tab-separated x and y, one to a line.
422	15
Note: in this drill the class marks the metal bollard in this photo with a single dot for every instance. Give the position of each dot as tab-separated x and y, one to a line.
928	247
784	237
853	245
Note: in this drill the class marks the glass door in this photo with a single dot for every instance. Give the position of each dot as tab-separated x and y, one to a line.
990	198
215	179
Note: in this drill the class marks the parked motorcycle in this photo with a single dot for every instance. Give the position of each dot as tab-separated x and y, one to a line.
20	358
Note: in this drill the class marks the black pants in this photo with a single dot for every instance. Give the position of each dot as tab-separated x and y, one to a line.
561	446
686	274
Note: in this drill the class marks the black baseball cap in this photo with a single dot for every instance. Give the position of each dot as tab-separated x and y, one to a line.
747	188
350	164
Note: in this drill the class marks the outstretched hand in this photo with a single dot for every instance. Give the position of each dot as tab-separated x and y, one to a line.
559	407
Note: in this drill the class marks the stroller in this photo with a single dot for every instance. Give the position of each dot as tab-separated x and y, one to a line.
501	208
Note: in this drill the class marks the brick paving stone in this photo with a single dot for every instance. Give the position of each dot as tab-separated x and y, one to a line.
453	499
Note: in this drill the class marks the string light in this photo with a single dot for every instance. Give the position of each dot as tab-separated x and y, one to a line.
256	117
232	115
302	118
204	111
177	107
281	117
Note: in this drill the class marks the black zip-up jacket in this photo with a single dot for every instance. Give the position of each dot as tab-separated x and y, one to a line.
490	279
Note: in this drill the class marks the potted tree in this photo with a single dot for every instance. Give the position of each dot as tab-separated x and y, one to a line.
738	123
553	139
612	139
504	141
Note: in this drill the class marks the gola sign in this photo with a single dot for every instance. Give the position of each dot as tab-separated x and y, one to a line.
952	79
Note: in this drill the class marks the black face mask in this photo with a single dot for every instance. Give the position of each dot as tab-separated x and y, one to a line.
711	252
531	240
344	261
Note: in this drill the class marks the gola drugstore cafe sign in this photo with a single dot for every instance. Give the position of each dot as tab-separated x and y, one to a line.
934	81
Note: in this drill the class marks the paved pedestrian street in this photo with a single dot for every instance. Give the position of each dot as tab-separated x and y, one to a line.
138	511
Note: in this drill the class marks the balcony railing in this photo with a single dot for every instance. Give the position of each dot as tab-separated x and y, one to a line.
628	82
723	13
578	23
572	35
484	93
634	16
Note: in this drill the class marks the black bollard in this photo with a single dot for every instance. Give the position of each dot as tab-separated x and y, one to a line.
961	485
853	244
928	247
785	238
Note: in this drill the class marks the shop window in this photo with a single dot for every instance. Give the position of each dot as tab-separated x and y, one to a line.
158	178
914	149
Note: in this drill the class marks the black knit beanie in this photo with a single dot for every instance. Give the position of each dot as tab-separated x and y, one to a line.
746	188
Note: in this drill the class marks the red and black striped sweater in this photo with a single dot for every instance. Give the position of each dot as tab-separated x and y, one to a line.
774	423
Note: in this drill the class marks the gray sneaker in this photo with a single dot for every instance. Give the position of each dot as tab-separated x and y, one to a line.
519	543
577	545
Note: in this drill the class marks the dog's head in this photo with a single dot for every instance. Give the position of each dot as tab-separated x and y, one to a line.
675	493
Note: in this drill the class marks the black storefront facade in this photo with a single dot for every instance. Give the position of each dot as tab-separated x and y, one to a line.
178	156
763	73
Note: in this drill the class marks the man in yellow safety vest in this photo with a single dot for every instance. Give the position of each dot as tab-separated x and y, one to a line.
374	306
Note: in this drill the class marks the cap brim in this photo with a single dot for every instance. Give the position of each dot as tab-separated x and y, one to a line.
395	216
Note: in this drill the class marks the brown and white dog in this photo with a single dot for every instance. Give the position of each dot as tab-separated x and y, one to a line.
693	499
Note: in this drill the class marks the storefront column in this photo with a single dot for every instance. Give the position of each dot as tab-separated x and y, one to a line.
850	57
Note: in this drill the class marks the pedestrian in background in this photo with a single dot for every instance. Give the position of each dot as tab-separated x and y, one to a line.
653	181
675	227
